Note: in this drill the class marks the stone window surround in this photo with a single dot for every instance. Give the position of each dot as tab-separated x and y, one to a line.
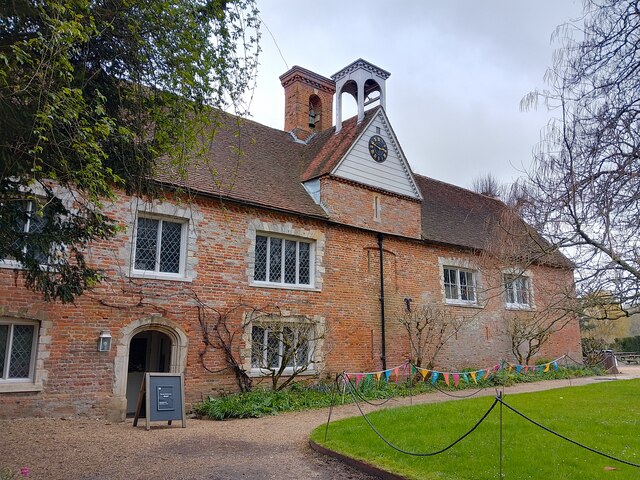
295	233
187	213
526	274
316	364
459	263
43	327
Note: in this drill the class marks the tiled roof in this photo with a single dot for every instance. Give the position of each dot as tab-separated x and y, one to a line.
255	164
456	216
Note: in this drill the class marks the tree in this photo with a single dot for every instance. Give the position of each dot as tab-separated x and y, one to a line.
488	185
584	186
92	95
428	328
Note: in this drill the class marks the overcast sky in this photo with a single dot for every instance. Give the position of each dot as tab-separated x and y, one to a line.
459	69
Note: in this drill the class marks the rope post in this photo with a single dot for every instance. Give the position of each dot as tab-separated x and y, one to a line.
333	398
500	400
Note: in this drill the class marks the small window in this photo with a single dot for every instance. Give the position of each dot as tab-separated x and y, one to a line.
377	208
275	345
517	290
283	261
29	219
459	285
17	351
160	246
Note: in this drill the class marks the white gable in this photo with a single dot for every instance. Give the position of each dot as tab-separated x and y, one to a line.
392	175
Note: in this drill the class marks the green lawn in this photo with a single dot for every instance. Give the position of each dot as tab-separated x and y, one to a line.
604	416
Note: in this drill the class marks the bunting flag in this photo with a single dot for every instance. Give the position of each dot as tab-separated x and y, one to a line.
555	364
456	379
368	378
546	369
434	376
387	374
518	368
396	372
511	368
487	374
466	378
496	368
378	375
446	378
358	379
473	376
413	370
424	372
480	374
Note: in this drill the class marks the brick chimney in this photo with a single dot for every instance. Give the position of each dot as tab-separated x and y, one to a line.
308	104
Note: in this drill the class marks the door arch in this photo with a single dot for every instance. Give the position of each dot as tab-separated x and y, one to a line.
168	350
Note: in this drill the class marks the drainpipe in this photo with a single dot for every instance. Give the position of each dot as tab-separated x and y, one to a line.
384	350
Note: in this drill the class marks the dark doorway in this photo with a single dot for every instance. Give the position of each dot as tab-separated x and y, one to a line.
149	351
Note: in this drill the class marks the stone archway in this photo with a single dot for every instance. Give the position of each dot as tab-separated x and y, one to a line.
176	362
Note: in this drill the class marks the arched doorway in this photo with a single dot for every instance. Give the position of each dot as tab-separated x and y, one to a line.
173	352
149	351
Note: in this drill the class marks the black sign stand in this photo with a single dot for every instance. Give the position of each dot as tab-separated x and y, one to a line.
162	395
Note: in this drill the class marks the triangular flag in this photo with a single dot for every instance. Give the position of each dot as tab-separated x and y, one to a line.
387	374
368	378
480	374
518	368
446	378
358	379
434	376
424	372
396	372
510	368
487	373
526	368
465	377
546	369
456	379
413	370
378	375
473	376
555	365
496	368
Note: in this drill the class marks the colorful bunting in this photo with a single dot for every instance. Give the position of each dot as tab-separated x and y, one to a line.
546	369
473	376
466	378
358	379
446	378
434	376
456	379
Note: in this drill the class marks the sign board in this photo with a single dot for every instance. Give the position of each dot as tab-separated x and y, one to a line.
162	396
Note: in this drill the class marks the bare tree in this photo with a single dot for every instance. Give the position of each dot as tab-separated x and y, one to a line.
584	186
429	328
488	185
284	346
530	331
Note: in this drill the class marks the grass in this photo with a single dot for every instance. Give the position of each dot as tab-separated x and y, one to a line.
259	403
604	416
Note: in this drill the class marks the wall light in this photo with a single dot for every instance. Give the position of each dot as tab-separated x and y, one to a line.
104	341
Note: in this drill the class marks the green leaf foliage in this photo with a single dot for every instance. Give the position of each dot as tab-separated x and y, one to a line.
92	95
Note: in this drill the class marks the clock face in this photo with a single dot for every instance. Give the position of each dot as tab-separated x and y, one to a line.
378	148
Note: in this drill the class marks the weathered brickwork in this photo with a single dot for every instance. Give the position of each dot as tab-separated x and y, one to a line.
72	377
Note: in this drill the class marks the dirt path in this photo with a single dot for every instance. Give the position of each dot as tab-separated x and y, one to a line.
265	448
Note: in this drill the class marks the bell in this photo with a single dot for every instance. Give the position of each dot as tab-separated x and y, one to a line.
312	117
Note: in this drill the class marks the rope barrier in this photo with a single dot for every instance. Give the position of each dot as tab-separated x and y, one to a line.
563	437
419	454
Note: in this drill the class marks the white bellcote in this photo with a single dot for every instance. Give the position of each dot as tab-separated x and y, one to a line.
362	80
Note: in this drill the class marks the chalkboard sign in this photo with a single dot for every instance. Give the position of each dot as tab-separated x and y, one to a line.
162	396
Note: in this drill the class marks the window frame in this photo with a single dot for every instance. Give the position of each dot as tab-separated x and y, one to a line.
4	374
13	263
273	327
509	282
267	270
156	273
458	285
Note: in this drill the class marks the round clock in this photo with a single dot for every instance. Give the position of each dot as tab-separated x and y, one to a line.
378	148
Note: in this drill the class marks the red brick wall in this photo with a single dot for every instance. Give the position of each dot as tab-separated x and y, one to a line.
353	204
80	380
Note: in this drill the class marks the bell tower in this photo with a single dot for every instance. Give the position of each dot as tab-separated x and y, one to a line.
308	103
362	80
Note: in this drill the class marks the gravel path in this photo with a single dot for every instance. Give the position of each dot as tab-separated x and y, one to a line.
264	448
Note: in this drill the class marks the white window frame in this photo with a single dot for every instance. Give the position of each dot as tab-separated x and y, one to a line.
156	273
10	262
282	283
4	379
510	279
473	287
273	327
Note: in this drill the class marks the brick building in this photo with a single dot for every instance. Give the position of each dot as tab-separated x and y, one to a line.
307	220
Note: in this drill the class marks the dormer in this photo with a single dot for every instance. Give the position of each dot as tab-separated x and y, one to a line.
308	104
365	82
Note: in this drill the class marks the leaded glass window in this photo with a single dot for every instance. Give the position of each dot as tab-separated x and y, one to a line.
17	349
159	246
30	219
274	345
282	261
459	285
517	289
